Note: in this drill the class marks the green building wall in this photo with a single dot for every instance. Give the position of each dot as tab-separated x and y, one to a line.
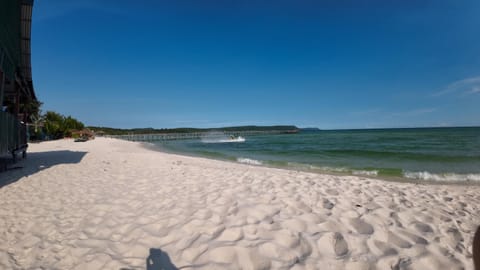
10	36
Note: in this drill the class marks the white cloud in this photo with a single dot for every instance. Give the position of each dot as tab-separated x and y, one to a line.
465	86
475	90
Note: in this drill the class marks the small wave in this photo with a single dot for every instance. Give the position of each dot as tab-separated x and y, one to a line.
249	161
318	168
418	156
446	177
366	173
332	169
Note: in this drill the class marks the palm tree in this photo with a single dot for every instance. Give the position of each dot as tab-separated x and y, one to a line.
37	121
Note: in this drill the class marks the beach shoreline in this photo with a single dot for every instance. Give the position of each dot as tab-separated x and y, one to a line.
111	204
152	146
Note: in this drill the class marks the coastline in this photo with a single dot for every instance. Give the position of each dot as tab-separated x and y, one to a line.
106	203
307	168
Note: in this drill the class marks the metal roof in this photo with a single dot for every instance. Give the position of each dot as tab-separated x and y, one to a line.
25	32
15	47
25	45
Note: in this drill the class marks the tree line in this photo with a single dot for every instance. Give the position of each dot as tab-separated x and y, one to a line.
119	131
53	125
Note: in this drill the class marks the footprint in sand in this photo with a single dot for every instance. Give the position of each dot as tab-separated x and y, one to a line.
328	204
397	241
383	249
415	238
361	226
331	191
332	245
422	227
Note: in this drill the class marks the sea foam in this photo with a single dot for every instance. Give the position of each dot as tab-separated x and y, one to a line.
249	161
366	173
447	177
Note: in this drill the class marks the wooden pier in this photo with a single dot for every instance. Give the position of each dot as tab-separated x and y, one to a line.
194	135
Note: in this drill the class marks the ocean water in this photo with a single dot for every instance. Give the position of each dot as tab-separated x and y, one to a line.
423	154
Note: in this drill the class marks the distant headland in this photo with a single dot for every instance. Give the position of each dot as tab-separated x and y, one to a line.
120	131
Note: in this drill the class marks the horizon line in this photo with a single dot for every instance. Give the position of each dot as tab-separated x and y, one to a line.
309	127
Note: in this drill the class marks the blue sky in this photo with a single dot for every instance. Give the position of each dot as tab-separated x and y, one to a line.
328	64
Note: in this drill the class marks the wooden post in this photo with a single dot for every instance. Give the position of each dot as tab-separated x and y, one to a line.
2	88
17	113
17	100
2	78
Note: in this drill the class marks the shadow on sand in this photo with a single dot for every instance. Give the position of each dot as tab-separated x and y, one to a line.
36	162
159	260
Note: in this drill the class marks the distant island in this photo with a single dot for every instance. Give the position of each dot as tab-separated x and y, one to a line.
119	131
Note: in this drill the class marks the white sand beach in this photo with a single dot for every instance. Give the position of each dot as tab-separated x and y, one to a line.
111	204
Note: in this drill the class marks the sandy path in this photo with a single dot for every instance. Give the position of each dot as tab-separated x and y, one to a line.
109	204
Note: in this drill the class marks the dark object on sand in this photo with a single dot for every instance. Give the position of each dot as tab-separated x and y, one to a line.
82	139
476	249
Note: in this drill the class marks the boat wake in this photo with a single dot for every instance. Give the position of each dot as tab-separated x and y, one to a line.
218	137
228	140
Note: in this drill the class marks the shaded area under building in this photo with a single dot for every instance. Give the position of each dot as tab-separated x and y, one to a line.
17	96
38	161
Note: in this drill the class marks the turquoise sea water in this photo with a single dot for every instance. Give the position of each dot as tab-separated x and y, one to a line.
432	154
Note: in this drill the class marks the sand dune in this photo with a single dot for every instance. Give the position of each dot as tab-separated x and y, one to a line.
110	204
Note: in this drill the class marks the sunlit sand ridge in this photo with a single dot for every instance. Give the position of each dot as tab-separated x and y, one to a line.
110	204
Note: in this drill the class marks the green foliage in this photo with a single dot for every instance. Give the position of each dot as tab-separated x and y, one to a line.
52	124
117	131
58	126
72	124
35	118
